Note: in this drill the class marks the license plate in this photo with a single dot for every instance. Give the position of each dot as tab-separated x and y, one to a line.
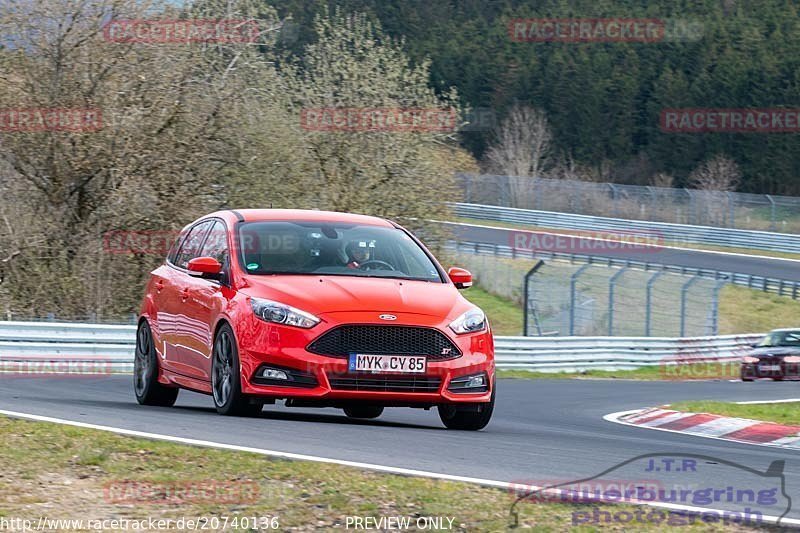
769	368
377	364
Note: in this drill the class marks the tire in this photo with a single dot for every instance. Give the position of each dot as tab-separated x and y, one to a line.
363	411
471	417
226	382
745	378
145	372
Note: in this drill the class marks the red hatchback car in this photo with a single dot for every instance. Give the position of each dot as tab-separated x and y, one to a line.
319	309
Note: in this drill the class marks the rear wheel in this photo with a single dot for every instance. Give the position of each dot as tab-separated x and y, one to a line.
468	417
363	411
145	372
744	376
226	383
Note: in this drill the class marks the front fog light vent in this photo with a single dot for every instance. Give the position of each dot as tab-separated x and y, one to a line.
284	377
273	373
473	383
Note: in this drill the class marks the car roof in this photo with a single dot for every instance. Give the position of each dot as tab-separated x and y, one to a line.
783	330
304	215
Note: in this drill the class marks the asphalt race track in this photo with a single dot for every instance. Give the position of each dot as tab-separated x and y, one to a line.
777	268
542	430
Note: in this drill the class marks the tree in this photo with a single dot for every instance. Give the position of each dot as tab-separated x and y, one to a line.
388	172
714	179
521	149
719	173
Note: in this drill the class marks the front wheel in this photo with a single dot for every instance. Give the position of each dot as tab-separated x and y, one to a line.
145	372
469	417
226	383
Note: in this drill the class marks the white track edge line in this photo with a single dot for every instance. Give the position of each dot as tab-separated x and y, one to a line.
368	466
757	402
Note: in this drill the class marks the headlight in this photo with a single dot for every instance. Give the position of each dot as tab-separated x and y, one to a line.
279	313
470	322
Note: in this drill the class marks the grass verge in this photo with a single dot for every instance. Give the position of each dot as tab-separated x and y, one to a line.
646	374
504	315
62	472
781	413
743	310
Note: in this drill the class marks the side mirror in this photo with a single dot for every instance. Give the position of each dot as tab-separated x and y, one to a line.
205	267
460	277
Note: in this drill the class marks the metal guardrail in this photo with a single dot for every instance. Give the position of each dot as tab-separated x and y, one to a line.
668	232
571	354
31	348
41	347
780	287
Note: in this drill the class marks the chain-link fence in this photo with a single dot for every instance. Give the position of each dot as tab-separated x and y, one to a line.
563	298
636	202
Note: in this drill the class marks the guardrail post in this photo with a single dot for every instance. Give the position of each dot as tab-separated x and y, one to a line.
572	286
648	306
772	224
611	283
614	199
692	205
653	202
715	307
527	299
684	291
732	208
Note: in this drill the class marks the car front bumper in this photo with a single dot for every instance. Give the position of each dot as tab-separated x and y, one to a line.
327	380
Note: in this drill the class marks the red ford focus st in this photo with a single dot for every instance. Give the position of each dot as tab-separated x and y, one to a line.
316	308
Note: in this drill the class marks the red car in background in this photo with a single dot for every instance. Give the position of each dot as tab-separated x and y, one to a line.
319	309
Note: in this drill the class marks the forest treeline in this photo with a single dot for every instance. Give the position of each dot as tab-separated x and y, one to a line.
603	100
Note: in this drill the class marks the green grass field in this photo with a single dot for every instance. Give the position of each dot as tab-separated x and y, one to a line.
782	413
62	472
504	316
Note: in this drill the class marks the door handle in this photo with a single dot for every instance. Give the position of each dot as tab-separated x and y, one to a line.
160	285
185	294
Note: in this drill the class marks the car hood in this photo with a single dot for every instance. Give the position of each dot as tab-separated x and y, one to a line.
775	351
330	294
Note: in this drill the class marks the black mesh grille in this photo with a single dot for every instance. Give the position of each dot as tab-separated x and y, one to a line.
386	383
385	340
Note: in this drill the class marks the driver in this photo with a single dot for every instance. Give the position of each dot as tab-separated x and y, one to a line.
357	253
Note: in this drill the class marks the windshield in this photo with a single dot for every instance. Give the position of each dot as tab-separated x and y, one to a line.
781	338
333	249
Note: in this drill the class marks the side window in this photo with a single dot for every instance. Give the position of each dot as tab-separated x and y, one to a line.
216	245
173	250
191	245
